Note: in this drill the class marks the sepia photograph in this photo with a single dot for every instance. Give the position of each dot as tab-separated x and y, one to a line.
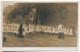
39	24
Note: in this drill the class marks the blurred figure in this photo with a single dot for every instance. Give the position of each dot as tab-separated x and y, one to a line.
20	35
60	30
72	30
4	39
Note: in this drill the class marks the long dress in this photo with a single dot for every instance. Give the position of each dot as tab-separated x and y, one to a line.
20	31
72	30
60	30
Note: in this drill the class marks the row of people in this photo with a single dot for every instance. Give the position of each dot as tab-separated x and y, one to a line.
40	28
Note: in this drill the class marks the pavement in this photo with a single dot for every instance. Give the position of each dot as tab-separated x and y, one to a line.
39	40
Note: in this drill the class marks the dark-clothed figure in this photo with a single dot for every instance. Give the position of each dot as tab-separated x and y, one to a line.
4	39
20	35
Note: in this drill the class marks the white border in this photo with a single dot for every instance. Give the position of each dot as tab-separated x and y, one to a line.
37	48
0	28
79	25
44	0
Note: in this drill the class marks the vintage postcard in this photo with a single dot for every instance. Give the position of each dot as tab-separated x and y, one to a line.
40	24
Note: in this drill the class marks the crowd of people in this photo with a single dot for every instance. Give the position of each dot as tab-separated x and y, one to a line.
39	28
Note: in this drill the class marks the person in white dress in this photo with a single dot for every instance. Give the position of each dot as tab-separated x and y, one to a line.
72	31
60	31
